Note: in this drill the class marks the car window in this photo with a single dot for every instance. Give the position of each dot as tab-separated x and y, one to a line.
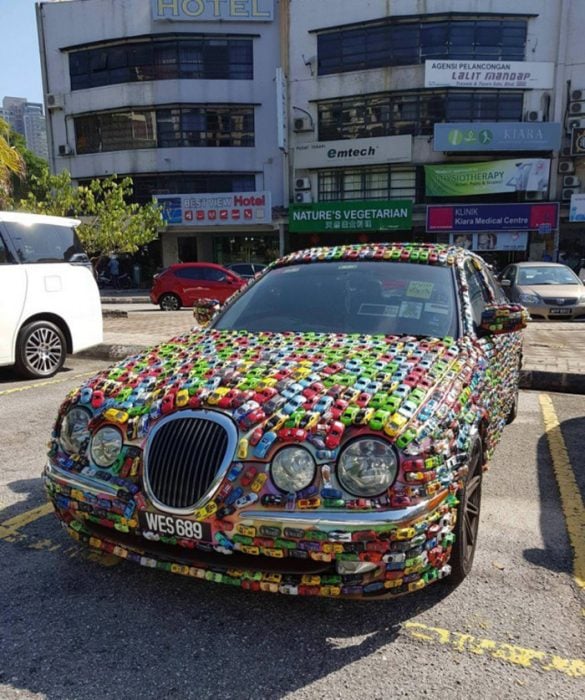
478	293
545	274
349	297
242	269
498	293
509	273
5	256
43	243
214	275
189	273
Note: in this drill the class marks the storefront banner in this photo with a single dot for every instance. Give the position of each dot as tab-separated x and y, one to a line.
489	74
526	175
335	154
213	10
375	215
577	210
224	209
482	242
542	217
497	136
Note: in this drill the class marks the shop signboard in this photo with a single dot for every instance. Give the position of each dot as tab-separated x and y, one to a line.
375	215
497	136
512	75
213	10
577	210
492	217
223	209
491	241
344	153
470	179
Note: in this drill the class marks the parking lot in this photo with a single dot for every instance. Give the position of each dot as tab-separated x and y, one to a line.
74	625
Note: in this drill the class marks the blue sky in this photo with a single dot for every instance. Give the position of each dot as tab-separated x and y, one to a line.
20	75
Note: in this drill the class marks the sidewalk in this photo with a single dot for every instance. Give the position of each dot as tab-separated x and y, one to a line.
554	352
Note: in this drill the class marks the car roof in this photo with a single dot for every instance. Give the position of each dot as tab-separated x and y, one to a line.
178	266
536	263
25	218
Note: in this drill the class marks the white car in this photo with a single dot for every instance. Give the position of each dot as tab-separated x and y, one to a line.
49	299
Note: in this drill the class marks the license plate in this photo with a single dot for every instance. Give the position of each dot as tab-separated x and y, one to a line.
560	312
170	526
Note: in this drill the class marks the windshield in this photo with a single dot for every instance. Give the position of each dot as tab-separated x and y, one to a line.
546	275
348	297
46	243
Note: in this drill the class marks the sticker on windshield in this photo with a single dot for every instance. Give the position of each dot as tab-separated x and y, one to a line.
436	309
420	290
411	309
378	310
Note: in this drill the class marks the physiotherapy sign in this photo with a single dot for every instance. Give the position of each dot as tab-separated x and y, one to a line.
375	215
497	136
493	217
213	10
460	180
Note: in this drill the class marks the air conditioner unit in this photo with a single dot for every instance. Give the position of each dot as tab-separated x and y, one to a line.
55	101
302	124
568	192
534	196
577	95
566	166
571	181
65	149
534	115
577	124
303	197
565	152
577	107
302	183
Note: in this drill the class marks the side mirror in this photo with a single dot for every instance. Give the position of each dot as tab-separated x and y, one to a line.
505	283
503	318
204	310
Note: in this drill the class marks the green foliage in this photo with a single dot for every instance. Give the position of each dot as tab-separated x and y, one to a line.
110	224
11	162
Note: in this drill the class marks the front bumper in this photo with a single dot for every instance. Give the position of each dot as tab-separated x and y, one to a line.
375	553
552	312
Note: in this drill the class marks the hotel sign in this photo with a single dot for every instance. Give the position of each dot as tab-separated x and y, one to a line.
489	74
224	209
343	153
213	10
497	136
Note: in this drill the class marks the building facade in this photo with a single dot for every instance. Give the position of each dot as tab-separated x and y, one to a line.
28	119
264	126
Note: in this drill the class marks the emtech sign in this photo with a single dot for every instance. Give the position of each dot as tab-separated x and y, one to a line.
331	154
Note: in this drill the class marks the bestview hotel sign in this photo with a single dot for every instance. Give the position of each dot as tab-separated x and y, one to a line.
213	10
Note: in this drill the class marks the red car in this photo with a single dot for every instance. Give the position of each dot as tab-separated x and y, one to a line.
184	283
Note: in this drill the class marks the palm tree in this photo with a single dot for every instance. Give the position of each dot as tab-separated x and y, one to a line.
11	162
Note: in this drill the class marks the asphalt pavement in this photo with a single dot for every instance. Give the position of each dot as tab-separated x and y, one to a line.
554	351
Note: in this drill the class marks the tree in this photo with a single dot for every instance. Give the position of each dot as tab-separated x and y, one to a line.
110	223
11	162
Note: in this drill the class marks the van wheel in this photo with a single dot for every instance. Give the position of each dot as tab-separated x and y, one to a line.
40	350
169	302
467	518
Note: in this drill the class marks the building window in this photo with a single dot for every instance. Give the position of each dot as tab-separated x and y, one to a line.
163	58
396	43
384	182
413	112
176	127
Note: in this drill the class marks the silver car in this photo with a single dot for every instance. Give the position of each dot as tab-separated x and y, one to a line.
548	290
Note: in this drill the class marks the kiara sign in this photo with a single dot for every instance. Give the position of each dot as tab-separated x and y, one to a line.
213	10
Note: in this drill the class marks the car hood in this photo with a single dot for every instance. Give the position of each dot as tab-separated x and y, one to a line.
552	290
198	369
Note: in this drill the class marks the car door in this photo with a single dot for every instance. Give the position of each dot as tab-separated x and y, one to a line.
12	299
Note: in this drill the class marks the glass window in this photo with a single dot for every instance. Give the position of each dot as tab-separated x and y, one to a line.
44	243
478	293
382	182
5	255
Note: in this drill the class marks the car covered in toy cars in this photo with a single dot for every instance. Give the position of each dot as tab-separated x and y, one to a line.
324	434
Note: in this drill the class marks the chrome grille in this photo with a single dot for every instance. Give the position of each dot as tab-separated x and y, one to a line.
559	301
186	457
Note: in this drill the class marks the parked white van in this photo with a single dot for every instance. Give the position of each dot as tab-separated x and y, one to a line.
49	299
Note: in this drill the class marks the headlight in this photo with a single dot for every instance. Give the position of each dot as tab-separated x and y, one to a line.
106	445
74	430
293	469
367	467
529	299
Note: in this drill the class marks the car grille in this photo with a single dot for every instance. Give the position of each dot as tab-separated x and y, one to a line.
185	456
559	301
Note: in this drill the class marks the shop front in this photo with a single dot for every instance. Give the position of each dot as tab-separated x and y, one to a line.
223	228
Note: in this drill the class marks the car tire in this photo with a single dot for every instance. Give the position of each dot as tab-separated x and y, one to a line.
169	302
40	350
468	512
513	411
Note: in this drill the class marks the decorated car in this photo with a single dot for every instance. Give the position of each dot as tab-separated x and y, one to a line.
324	433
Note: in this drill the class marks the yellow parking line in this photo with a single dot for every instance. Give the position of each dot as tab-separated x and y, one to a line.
508	653
571	500
48	382
10	527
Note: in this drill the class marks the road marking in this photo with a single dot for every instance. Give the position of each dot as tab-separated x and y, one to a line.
10	527
48	382
509	653
571	500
